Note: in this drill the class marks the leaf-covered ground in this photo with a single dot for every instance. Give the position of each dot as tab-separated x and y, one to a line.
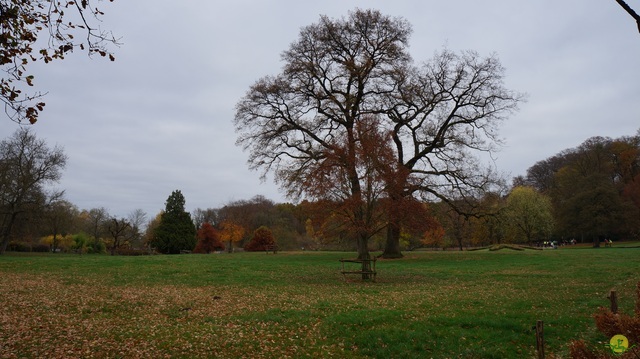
248	305
44	317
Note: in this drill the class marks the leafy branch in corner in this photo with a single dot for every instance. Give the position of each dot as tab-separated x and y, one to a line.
68	25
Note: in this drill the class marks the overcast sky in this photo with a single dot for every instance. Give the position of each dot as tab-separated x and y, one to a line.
159	118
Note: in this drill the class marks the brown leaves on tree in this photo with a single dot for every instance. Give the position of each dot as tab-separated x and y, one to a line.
261	239
434	236
208	239
350	121
350	180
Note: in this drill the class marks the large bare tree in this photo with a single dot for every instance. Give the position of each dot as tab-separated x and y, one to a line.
120	231
333	77
351	114
27	166
441	115
137	219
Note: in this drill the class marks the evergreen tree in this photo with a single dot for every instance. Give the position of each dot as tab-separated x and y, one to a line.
176	231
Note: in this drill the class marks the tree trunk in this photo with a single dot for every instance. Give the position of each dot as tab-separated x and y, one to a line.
54	242
363	247
363	253
3	244
6	233
392	246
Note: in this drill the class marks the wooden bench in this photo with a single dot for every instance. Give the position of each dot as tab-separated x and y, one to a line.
271	248
367	267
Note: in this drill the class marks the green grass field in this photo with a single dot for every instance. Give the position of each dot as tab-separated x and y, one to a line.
252	305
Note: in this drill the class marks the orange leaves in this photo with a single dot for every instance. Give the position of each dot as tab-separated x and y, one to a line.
434	236
231	231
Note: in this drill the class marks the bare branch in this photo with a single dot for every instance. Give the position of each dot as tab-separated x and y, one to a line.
630	11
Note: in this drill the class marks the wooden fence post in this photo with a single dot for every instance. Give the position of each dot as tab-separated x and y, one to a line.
613	297
540	339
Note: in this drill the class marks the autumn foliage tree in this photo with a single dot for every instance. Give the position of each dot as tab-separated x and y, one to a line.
261	239
230	233
295	121
43	31
358	216
208	239
434	236
350	82
94	222
322	228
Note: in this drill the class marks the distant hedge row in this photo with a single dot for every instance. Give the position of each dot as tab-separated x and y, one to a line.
44	248
25	247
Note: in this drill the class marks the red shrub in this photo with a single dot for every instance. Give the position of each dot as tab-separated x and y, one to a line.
208	240
611	324
262	238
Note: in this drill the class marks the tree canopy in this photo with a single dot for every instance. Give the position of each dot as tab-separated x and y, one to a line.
528	215
349	83
27	167
593	188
